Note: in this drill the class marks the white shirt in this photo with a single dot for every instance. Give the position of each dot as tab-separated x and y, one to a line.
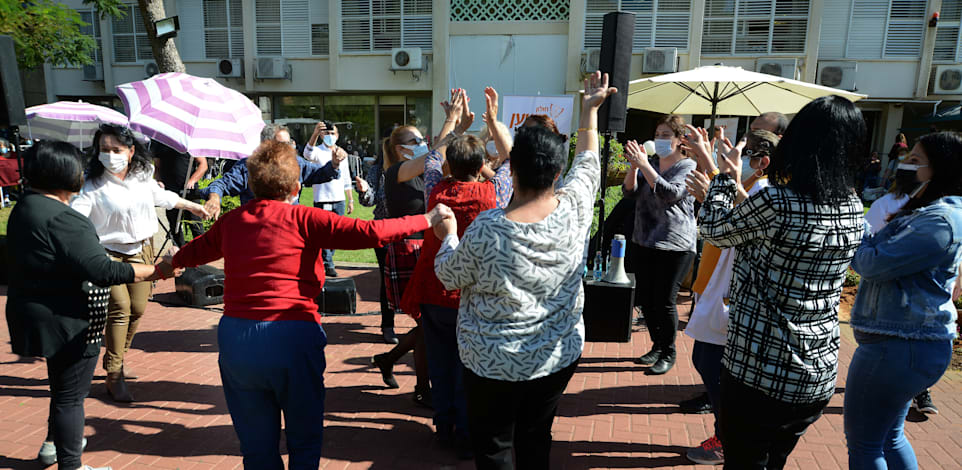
123	211
709	319
877	215
521	294
333	190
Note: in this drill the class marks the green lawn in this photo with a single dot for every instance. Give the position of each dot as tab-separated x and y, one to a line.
360	212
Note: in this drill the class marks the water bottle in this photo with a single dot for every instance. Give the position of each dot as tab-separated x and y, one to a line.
599	272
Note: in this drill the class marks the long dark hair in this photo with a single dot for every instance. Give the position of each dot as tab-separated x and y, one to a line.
140	162
944	151
822	150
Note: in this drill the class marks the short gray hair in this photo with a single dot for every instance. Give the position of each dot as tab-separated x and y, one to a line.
270	130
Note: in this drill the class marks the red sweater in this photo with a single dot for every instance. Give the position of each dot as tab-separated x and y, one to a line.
467	200
272	254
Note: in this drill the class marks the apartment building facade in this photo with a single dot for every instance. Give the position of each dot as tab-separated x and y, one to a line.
379	63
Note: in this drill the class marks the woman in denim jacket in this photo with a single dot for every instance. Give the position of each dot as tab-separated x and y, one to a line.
903	317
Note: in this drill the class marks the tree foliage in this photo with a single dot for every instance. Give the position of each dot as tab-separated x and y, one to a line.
49	31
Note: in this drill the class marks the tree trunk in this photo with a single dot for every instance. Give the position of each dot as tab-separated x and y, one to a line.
165	50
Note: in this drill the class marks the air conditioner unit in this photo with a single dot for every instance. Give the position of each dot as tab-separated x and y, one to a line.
948	80
273	67
590	60
660	60
785	68
406	58
230	68
94	72
150	69
839	75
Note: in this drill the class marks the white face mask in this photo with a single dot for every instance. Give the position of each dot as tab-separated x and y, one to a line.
491	148
113	162
330	140
419	150
910	167
747	167
663	147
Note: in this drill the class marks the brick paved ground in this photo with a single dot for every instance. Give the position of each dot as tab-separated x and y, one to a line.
612	415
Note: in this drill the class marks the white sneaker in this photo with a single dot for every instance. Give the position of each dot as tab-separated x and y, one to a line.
48	452
88	467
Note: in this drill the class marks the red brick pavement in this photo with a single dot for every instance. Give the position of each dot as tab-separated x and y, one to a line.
612	415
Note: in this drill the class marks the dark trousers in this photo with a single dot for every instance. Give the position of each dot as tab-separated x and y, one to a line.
269	368
195	223
505	416
387	313
706	358
757	431
336	207
445	369
413	340
70	375
658	274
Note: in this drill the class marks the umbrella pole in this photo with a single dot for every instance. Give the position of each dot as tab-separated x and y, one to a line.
15	133
183	195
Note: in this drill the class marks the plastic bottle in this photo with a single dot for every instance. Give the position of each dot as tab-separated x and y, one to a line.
599	272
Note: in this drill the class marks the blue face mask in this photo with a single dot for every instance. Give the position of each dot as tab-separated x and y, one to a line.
330	140
419	150
4	151
746	167
663	147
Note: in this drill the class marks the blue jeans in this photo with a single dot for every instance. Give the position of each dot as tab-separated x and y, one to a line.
882	380
706	358
269	367
445	369
337	207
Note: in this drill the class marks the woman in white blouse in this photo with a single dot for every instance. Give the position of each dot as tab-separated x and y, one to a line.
119	196
520	332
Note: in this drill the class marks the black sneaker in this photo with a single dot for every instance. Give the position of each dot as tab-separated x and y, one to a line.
387	370
422	397
923	403
330	272
699	405
650	358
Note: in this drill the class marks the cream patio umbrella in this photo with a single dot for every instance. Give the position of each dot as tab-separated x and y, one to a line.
729	91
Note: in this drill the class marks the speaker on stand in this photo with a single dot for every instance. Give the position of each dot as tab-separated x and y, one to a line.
608	305
12	112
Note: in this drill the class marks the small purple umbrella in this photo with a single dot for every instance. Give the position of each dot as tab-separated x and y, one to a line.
69	121
193	114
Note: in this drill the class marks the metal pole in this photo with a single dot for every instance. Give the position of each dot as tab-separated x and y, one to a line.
714	113
15	133
605	153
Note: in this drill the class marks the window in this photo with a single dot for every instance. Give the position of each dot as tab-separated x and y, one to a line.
223	29
380	25
885	28
755	27
947	38
130	36
509	10
93	30
291	28
658	23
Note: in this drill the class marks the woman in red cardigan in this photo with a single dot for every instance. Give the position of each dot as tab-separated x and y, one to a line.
270	338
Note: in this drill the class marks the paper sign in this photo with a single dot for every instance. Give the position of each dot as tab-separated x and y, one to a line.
515	109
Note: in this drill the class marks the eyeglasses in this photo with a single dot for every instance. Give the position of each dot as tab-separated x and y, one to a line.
749	153
416	141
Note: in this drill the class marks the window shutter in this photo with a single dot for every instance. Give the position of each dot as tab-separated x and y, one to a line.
192	17
866	33
717	37
236	26
594	19
948	43
835	16
671	30
295	28
216	37
356	25
788	36
417	24
268	27
906	28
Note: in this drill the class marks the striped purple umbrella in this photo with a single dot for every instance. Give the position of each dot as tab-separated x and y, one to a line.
69	121
193	114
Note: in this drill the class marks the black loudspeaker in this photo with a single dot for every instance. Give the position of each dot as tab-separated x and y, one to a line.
615	60
11	94
201	286
339	295
608	310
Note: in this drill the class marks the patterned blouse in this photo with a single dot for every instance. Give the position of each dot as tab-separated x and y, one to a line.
521	295
783	334
375	195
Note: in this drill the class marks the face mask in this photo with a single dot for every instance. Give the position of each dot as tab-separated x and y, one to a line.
491	148
902	157
330	140
910	167
419	150
113	162
4	151
746	167
663	147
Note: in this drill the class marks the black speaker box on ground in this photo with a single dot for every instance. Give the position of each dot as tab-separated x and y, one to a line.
615	60
201	286
339	295
11	94
608	311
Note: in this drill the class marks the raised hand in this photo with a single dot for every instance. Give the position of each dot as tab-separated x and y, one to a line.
491	105
635	154
596	90
697	184
338	156
699	145
731	163
467	117
451	108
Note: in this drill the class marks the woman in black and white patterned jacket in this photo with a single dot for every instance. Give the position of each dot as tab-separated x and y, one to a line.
520	331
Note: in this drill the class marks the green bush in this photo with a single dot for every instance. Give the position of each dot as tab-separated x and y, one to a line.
851	278
227	204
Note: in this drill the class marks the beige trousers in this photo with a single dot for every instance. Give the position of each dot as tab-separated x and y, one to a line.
126	306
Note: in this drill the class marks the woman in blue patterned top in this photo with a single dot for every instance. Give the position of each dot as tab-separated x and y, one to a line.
520	332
